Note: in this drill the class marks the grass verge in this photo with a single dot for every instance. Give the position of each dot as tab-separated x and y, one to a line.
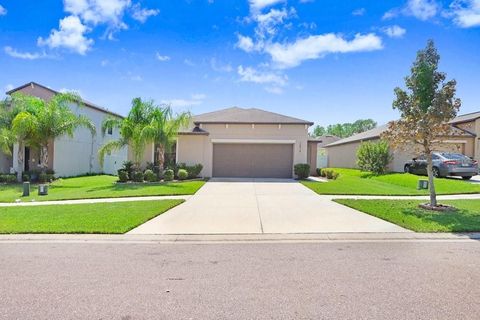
101	186
407	214
116	217
356	182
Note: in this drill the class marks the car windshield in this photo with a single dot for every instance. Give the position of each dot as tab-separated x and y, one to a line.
454	156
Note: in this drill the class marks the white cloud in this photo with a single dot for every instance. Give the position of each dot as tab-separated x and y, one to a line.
220	67
249	74
104	62
142	14
313	47
422	9
245	43
194	100
161	57
267	24
3	11
14	53
359	12
8	87
394	31
70	36
466	13
258	5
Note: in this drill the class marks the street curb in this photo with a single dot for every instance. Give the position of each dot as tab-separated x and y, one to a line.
238	238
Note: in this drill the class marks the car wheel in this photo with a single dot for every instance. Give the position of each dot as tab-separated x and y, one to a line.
406	169
436	172
467	178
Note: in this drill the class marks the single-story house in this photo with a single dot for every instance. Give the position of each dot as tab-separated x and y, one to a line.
72	156
317	154
239	142
464	138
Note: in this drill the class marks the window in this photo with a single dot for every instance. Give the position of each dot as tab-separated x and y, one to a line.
110	131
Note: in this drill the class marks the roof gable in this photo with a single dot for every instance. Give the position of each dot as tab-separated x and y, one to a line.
43	92
247	116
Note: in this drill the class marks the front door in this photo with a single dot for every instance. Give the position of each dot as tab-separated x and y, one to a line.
27	159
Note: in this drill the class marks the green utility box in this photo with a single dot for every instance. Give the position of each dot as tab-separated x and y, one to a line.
26	189
422	184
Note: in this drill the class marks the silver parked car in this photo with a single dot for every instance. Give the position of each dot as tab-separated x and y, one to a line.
444	164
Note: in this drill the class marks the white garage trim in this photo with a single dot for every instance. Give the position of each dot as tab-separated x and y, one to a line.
253	141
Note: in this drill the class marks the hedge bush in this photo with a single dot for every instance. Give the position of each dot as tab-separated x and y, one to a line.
374	156
122	175
138	176
150	176
182	174
168	175
193	171
302	170
8	178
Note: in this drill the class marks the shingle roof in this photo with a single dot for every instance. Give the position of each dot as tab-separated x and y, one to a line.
367	135
246	116
376	132
466	117
85	102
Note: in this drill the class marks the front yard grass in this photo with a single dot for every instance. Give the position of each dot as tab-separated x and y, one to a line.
407	214
356	182
101	186
116	217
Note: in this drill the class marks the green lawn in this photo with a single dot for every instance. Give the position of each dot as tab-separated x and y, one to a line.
355	182
117	217
99	187
407	214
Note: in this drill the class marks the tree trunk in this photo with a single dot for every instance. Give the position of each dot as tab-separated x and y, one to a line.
161	156
44	158
433	194
20	161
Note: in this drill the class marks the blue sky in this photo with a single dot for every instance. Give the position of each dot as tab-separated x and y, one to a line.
327	61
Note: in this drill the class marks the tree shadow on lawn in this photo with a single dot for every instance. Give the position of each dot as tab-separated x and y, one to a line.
459	220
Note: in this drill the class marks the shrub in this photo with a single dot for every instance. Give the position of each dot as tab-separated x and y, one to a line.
193	171
122	175
8	178
25	177
374	156
335	175
129	167
42	177
150	176
302	170
138	176
168	175
182	174
321	172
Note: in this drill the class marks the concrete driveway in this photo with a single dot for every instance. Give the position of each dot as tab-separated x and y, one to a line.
225	206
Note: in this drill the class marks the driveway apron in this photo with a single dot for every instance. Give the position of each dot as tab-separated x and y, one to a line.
243	206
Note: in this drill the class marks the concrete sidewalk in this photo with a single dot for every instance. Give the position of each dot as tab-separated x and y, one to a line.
239	238
86	201
439	197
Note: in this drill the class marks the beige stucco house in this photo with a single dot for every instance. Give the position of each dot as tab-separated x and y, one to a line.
238	142
71	156
464	138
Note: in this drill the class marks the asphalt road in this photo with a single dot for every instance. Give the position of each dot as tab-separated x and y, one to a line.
341	280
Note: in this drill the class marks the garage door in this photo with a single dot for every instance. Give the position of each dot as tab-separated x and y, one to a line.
252	160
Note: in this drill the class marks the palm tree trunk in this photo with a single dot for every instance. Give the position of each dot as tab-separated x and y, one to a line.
20	160
433	194
161	156
44	158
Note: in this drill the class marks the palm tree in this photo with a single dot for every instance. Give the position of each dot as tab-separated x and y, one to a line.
9	109
132	130
41	121
163	129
